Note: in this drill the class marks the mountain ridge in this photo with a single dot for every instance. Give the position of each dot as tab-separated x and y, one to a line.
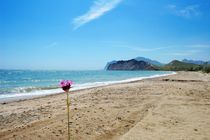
139	58
199	62
138	64
153	62
131	65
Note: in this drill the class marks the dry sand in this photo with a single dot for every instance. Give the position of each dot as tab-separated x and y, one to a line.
172	107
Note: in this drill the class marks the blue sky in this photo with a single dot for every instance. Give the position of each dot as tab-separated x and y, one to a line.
85	34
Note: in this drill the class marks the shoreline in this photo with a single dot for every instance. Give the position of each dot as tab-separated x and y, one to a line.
100	84
175	106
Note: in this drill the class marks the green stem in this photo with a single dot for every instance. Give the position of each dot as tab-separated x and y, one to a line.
68	110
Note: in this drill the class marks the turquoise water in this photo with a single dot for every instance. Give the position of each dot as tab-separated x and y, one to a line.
22	83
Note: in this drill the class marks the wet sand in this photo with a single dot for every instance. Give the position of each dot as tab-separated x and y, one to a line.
170	107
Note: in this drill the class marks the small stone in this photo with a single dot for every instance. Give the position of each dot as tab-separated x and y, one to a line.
119	118
87	133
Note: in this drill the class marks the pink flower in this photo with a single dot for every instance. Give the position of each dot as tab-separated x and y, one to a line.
66	84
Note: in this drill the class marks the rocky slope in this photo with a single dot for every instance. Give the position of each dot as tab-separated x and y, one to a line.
130	65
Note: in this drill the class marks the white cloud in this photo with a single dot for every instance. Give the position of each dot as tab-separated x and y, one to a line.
99	8
186	12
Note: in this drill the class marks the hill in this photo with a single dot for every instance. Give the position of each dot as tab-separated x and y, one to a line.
153	62
130	65
198	62
109	63
150	61
141	63
176	65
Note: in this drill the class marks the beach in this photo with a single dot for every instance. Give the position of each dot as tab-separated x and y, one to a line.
168	107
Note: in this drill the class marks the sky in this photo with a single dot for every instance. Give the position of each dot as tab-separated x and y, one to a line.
86	34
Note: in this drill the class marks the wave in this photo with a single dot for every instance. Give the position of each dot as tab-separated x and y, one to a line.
31	89
31	92
29	80
97	84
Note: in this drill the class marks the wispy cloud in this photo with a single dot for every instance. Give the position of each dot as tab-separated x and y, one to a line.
51	45
186	53
133	47
188	49
192	46
99	8
141	49
186	12
199	46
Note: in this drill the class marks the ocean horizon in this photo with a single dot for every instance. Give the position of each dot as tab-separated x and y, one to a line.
24	84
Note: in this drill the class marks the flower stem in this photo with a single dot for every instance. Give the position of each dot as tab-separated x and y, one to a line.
68	111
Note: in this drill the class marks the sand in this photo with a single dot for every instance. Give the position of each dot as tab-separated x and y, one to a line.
171	107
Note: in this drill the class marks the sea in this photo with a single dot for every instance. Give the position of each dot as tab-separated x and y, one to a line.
26	84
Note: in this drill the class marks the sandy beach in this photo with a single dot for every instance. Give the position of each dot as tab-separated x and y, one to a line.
171	107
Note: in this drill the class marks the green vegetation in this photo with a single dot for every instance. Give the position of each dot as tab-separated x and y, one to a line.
206	68
176	65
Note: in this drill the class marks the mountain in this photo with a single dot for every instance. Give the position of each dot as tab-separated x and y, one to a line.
132	64
198	62
176	65
153	62
109	63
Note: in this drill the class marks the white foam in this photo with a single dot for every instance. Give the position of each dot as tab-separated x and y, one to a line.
39	93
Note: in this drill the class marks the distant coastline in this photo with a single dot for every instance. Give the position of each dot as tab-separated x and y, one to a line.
141	63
